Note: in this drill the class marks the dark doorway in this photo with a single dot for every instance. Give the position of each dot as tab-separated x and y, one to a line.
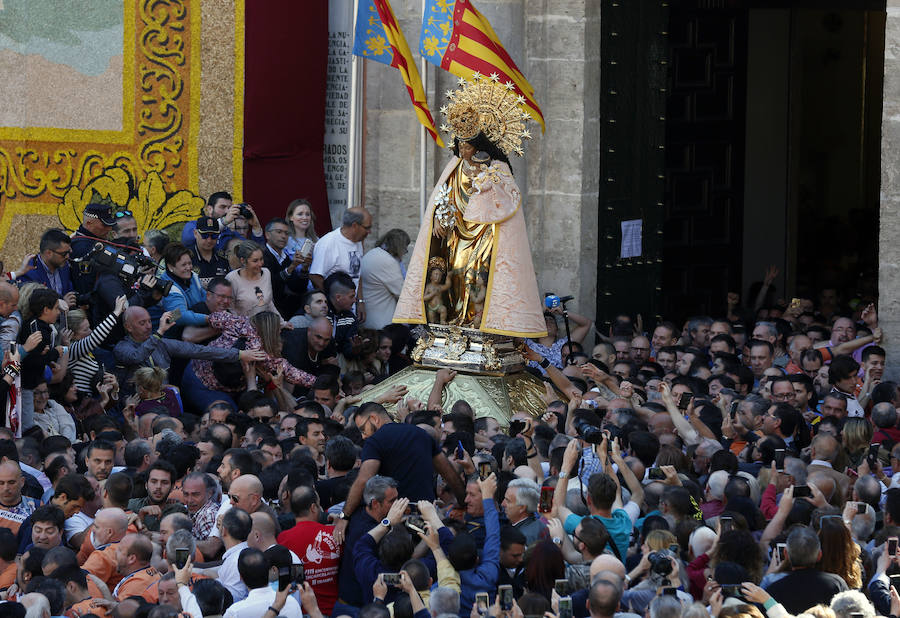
836	104
773	138
743	134
705	125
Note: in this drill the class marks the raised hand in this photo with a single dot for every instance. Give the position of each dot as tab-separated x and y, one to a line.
121	305
27	264
870	316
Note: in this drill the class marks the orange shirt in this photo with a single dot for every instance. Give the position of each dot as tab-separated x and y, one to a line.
93	589
8	576
88	606
87	545
139	583
102	563
175	495
738	444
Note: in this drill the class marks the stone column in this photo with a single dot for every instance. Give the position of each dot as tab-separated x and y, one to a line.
556	44
563	47
889	219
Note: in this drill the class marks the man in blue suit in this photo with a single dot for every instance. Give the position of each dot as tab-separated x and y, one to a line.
51	266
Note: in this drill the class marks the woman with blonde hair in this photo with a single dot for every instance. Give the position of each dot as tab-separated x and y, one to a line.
148	386
206	381
856	437
25	293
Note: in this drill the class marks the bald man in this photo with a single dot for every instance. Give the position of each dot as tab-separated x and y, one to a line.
139	577
264	534
607	564
823	452
342	250
246	492
310	348
108	529
604	595
14	507
142	347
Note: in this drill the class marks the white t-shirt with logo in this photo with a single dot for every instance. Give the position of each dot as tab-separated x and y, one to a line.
335	252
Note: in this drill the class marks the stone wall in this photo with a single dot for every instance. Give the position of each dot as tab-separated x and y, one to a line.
889	219
556	44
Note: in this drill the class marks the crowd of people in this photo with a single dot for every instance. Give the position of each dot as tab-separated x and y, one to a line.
184	435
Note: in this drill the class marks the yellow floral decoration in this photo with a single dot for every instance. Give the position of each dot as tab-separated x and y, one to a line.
152	207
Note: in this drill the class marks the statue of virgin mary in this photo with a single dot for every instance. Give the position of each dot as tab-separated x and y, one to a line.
474	221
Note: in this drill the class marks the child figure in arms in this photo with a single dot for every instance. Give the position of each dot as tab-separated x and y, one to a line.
437	286
479	293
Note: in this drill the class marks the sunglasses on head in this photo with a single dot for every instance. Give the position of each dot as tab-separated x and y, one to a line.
124	213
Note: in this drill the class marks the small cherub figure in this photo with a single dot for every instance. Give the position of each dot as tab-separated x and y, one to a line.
479	293
438	284
481	161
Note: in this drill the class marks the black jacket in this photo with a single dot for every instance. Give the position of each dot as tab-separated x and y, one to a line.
287	290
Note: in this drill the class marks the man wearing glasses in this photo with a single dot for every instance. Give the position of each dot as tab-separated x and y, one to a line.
781	421
51	266
125	231
208	261
219	297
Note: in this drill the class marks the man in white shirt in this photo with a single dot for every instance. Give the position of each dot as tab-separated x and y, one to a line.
235	528
254	571
342	250
264	534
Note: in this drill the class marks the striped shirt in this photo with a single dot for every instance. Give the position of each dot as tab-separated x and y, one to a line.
82	364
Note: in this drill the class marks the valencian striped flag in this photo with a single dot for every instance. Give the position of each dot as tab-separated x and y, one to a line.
459	39
378	37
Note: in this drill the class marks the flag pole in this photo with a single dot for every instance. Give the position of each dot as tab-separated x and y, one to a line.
423	142
354	141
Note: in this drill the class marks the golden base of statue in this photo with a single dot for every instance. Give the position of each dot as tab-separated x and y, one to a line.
469	350
491	373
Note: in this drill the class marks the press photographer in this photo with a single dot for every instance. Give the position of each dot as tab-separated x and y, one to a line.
122	274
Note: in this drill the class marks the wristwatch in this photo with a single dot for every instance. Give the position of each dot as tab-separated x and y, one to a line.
557	540
343	515
544	363
563	475
386	522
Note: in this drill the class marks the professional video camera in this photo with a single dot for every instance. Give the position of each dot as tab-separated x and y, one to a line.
128	267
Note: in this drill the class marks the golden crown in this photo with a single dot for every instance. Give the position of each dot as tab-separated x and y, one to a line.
486	106
437	262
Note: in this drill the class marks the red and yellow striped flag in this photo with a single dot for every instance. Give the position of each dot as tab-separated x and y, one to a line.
378	37
459	39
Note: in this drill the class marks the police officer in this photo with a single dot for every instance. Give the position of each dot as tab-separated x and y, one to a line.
208	261
97	221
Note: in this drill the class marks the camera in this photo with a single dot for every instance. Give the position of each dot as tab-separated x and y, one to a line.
244	211
660	562
589	433
127	267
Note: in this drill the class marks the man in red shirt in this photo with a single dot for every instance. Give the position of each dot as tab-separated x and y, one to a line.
315	545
